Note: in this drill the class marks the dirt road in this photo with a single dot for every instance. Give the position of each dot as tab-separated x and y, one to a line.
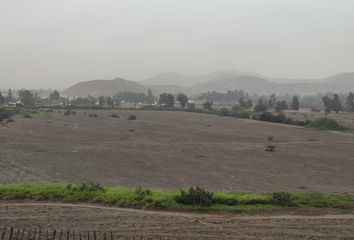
167	225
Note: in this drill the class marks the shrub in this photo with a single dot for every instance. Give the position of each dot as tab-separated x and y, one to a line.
132	117
326	123
90	186
142	193
10	120
93	115
27	116
282	198
224	112
270	148
196	196
113	115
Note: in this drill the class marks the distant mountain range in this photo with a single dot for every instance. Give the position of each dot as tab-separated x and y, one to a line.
220	81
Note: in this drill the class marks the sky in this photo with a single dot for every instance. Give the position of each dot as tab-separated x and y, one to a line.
54	44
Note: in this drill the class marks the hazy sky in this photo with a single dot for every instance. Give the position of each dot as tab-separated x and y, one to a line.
55	43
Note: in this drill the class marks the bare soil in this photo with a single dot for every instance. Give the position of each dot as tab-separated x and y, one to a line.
125	223
172	150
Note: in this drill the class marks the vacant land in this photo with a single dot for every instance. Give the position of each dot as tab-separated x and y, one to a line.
125	223
173	150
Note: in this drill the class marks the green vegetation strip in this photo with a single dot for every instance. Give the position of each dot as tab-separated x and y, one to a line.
171	200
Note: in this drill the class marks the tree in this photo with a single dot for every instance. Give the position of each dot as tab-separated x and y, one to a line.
182	99
280	106
101	100
167	100
9	96
26	97
110	102
54	96
150	97
336	104
2	99
249	104
261	105
295	104
208	105
327	104
350	102
272	101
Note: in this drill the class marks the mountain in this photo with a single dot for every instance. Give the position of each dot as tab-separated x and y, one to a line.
111	87
104	88
220	81
183	80
343	82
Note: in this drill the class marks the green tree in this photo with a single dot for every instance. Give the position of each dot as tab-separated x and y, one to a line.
110	102
350	102
336	104
150	97
101	100
26	97
208	105
327	104
167	100
54	96
261	106
9	96
281	106
295	104
2	99
272	101
182	99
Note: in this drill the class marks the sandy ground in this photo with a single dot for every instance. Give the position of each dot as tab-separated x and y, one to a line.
125	223
175	150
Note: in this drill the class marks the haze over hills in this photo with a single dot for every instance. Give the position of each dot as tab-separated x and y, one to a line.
220	81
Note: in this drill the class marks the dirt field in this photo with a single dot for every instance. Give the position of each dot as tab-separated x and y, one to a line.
175	150
126	223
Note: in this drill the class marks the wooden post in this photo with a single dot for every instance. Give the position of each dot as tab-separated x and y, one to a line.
34	234
40	234
68	235
60	234
111	235
3	234
29	235
94	235
11	232
54	234
17	234
23	234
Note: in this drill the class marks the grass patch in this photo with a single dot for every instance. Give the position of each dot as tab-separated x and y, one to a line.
168	200
325	123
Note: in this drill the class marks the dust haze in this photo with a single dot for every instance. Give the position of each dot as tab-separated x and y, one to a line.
55	44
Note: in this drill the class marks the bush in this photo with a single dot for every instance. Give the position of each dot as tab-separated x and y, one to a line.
10	120
326	123
90	186
282	198
223	112
27	116
270	148
142	193
197	196
93	115
132	117
113	115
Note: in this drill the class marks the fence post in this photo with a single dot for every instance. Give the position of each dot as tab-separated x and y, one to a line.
23	233
29	235
3	234
11	232
54	234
